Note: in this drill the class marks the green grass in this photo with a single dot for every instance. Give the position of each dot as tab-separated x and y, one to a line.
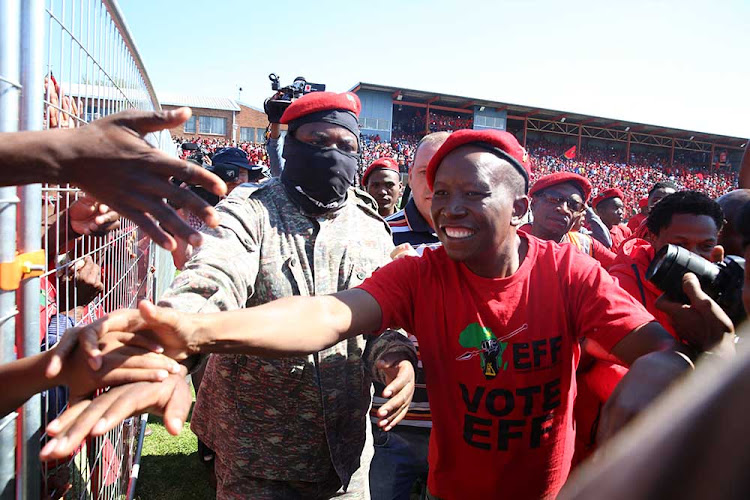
170	467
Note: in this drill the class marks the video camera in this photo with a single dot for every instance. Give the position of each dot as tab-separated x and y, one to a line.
722	282
276	106
297	89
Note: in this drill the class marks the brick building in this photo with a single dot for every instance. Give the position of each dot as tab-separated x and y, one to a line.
218	117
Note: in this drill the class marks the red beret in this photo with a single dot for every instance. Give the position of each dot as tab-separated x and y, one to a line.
561	178
321	101
607	194
501	140
643	202
385	162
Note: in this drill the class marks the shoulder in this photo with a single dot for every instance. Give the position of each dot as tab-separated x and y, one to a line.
365	204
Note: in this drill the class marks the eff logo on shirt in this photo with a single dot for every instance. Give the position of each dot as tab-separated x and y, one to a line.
487	346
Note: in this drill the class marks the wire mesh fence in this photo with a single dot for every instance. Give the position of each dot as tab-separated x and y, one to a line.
63	64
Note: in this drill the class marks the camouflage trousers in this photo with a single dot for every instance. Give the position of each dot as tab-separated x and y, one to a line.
232	484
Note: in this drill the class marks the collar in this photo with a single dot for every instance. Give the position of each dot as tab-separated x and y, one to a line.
415	220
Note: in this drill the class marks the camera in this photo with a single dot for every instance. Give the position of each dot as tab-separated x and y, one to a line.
276	106
298	88
722	282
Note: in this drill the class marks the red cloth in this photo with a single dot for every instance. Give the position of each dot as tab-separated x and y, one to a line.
619	234
606	195
561	178
635	222
384	162
500	357
321	101
640	253
570	154
595	386
504	141
603	254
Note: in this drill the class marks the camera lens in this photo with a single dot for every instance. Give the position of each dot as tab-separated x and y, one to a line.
671	263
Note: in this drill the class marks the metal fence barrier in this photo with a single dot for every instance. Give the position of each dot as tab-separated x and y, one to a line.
62	64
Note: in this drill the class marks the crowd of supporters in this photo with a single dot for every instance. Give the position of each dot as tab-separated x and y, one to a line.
603	168
256	153
607	168
415	124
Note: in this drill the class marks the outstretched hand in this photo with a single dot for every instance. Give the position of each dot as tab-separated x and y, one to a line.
170	398
400	382
110	160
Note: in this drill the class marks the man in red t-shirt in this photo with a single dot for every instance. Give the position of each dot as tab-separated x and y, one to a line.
556	201
501	319
611	209
689	219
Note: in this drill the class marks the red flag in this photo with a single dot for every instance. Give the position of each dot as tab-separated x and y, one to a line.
571	153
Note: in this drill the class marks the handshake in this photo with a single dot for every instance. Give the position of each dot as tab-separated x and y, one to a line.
142	353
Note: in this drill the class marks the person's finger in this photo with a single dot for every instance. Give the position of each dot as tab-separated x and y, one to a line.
692	288
135	339
669	306
123	376
130	211
177	408
158	316
61	351
134	357
63	421
144	122
79	427
400	379
170	221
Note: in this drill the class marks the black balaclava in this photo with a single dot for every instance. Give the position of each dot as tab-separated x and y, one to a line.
317	178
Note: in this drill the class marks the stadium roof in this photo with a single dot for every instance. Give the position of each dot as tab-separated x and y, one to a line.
223	103
517	111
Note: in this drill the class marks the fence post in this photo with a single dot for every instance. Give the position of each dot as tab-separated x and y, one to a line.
30	234
10	24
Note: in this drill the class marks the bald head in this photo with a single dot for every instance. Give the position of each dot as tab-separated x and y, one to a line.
732	204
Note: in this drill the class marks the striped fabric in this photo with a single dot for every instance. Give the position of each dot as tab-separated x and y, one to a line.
408	226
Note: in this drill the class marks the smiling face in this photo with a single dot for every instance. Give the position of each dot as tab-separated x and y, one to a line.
476	208
555	210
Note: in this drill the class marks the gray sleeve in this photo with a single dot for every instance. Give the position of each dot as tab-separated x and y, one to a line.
598	230
221	274
274	148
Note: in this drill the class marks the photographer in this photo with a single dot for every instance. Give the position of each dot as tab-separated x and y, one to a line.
231	166
688	219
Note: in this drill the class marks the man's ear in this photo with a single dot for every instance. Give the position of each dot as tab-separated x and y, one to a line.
520	208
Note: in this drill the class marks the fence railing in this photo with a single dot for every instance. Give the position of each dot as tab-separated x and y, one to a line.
63	64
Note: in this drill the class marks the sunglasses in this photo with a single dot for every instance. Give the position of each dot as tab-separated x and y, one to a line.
556	199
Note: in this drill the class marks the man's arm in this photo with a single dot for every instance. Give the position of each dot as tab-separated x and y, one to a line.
110	160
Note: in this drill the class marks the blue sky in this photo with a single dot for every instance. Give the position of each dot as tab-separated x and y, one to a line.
681	64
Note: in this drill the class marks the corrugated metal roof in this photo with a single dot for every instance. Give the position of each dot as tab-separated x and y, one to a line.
194	101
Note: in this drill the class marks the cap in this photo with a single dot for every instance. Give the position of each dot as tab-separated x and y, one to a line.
606	195
500	143
385	162
643	202
314	102
561	178
231	156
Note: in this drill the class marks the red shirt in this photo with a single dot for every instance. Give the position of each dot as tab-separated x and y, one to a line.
619	234
640	253
635	222
500	357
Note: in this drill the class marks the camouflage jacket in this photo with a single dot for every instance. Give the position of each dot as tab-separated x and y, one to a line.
285	419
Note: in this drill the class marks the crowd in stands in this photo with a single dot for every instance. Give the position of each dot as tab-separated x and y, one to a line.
256	153
607	168
437	121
